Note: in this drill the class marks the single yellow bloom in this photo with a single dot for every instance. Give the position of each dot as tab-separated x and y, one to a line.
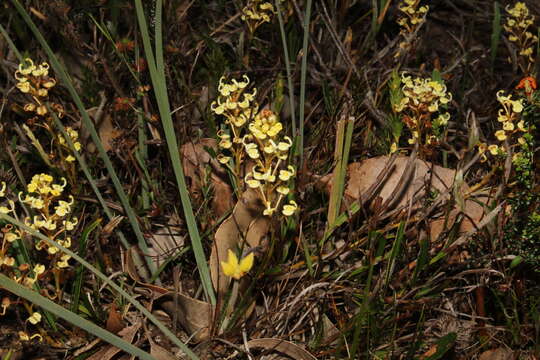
290	208
493	149
500	135
34	318
236	269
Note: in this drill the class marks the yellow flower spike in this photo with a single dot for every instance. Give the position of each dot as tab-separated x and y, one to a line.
290	208
34	318
500	135
236	269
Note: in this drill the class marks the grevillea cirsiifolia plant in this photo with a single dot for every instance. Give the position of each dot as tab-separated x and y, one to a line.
422	108
412	17
35	82
518	26
52	217
256	13
253	147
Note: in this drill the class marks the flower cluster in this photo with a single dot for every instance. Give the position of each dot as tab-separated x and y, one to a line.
412	17
513	127
422	102
517	26
257	12
74	136
53	220
35	81
254	136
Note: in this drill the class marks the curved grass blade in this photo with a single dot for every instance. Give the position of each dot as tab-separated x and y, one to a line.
303	73
46	304
287	66
157	75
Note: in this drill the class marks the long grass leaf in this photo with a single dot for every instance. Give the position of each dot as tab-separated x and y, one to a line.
287	67
160	92
303	74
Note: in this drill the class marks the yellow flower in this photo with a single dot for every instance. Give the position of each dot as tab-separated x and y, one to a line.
393	147
3	190
500	135
34	318
39	269
63	263
63	207
252	150
284	190
508	126
70	225
223	159
493	149
7	210
10	237
236	269
24	87
290	208
285	175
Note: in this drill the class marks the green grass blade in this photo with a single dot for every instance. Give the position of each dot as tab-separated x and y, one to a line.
287	67
72	318
303	73
106	280
77	283
160	90
89	125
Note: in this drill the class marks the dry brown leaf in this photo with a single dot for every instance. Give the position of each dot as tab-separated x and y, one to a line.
195	316
108	133
114	321
159	353
109	351
285	347
166	242
398	189
497	354
246	223
195	161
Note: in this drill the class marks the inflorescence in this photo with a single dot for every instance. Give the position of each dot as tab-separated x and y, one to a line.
253	148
